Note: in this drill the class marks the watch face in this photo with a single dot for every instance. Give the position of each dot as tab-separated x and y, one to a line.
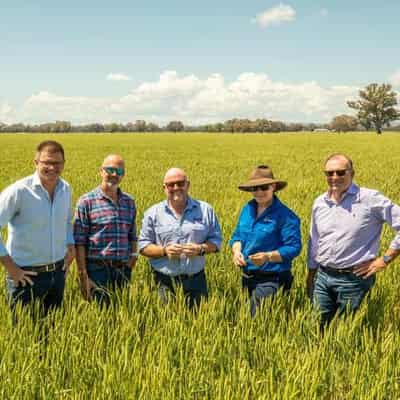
387	259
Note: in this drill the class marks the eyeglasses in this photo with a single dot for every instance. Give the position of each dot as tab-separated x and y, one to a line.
113	170
338	172
55	164
171	185
261	187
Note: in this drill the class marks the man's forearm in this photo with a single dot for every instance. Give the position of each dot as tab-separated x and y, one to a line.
80	257
153	251
8	262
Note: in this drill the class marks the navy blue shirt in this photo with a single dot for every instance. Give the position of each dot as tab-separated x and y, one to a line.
277	228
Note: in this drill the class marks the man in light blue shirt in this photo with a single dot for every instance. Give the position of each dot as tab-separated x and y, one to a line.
346	226
40	243
176	234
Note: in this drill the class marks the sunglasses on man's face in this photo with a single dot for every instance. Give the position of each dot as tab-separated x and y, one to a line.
171	185
259	187
113	170
338	172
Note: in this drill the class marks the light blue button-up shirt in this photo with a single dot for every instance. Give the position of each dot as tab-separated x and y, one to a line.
160	226
348	233
38	229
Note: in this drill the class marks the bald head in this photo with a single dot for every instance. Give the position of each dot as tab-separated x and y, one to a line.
340	157
177	174
113	160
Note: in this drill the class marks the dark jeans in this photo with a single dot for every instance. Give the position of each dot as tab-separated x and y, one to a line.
108	279
48	288
260	287
194	287
338	293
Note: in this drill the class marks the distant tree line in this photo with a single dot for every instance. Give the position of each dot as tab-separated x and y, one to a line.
375	110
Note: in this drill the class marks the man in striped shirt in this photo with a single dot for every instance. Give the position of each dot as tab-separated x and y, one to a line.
105	234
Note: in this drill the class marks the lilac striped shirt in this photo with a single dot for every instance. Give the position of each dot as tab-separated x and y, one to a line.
348	233
106	229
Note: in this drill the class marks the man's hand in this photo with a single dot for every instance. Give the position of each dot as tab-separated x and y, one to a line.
369	268
86	286
238	259
20	276
173	250
69	257
259	258
131	262
310	282
191	249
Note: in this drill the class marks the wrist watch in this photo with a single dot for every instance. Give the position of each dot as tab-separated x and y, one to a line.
387	259
202	250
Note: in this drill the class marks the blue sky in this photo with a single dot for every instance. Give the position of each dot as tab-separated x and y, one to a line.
195	61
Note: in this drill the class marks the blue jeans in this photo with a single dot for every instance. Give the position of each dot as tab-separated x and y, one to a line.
339	293
260	287
107	279
48	288
194	287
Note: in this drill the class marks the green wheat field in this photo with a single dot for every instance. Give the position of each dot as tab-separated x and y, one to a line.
141	350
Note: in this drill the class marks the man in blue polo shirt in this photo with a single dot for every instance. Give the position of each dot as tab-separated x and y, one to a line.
266	239
176	234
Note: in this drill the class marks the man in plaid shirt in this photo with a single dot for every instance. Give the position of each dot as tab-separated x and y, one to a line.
105	234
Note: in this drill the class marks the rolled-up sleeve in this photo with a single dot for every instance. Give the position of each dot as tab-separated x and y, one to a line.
8	208
147	233
214	233
291	238
81	224
312	243
389	212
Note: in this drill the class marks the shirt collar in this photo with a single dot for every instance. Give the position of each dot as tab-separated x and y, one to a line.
353	190
190	204
274	205
37	182
100	194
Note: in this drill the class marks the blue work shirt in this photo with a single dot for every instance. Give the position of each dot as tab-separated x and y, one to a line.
160	226
39	229
277	228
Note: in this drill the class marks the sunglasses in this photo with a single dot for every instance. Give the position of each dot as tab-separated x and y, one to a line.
338	172
113	170
261	187
171	185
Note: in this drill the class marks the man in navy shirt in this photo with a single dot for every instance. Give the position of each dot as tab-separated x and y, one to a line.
266	239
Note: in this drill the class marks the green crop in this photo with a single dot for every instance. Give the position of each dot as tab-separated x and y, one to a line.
140	350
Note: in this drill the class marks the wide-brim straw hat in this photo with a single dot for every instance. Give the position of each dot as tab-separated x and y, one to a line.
262	175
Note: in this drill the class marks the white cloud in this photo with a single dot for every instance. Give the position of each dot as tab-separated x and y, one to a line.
395	79
195	100
6	113
118	77
275	15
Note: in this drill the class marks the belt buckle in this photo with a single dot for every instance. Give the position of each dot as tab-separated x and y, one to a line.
50	267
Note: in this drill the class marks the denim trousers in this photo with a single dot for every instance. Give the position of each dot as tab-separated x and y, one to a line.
107	279
194	287
339	293
261	287
47	288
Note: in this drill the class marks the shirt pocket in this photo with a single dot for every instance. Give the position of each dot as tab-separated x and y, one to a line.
166	235
199	233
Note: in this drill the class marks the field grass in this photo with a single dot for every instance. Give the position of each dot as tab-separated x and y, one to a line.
141	350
